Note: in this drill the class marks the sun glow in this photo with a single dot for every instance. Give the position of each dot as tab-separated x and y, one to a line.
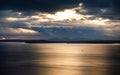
76	15
66	14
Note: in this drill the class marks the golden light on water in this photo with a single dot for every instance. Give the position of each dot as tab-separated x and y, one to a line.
72	58
61	59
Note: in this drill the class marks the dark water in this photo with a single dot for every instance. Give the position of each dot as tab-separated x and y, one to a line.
59	59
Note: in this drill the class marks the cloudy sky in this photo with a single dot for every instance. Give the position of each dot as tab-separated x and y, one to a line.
60	19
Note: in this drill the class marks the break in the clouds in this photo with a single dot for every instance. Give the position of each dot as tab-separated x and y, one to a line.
68	20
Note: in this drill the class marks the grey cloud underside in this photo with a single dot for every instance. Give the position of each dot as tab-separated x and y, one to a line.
76	33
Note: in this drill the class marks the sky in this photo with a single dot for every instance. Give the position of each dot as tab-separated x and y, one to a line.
60	19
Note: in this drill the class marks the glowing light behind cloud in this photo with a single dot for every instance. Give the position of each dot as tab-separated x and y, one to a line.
18	31
16	19
25	31
73	15
66	14
2	38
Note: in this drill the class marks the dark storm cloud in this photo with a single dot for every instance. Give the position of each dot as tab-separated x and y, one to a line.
42	5
51	5
95	7
103	4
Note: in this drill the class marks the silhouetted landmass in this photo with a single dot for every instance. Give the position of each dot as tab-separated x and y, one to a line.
81	41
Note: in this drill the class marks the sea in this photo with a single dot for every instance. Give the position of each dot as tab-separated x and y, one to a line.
59	59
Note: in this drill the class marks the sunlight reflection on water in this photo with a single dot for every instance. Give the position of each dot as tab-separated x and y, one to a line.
58	59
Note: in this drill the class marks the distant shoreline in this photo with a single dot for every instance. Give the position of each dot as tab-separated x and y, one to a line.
82	41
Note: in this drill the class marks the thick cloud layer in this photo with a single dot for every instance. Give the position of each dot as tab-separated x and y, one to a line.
71	19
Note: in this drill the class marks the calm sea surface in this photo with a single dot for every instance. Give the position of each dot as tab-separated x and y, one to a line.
59	59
